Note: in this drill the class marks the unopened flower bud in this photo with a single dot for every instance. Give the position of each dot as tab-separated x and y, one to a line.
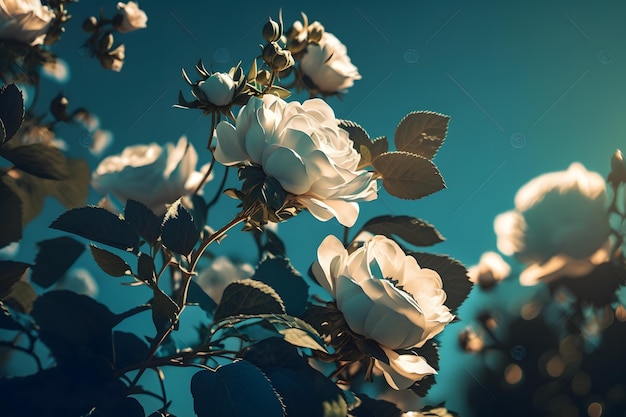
272	31
277	58
296	45
106	42
618	168
263	77
90	24
58	107
315	32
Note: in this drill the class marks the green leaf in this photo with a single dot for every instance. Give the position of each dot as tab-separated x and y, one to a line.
109	262
421	133
74	326
143	221
164	310
408	176
11	217
279	274
11	111
410	229
21	297
248	297
10	273
99	225
178	231
238	389
456	283
145	268
360	139
54	258
38	159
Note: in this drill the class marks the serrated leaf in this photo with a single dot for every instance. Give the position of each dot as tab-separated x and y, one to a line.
98	224
21	297
178	231
164	310
74	325
38	159
11	111
279	274
408	176
142	220
109	262
248	297
10	273
410	229
456	283
54	258
146	270
421	133
11	218
361	139
224	393
369	407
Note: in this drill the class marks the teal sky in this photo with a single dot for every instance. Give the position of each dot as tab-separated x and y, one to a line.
530	87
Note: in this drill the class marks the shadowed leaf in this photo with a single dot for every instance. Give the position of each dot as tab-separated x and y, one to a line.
54	258
421	133
279	274
142	220
164	310
10	273
197	296
38	159
248	297
410	229
11	217
430	352
224	393
99	225
178	231
11	111
408	176
109	262
21	297
129	349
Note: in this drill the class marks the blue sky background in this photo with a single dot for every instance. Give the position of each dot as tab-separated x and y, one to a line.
530	87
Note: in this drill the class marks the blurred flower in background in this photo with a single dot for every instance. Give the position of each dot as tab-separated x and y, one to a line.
220	273
130	18
24	21
490	270
78	280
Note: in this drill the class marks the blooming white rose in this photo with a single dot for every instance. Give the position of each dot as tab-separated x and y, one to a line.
151	174
491	269
133	17
222	272
302	146
327	64
24	20
560	224
219	88
386	296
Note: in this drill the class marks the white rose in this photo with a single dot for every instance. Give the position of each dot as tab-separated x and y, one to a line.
133	17
328	65
560	223
150	174
222	272
491	269
24	20
386	296
302	147
219	88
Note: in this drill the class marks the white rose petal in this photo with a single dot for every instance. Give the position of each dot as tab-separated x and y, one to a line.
25	21
491	267
384	295
133	17
328	65
151	174
219	88
302	146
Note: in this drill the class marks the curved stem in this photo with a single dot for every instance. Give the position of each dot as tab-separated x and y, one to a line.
220	190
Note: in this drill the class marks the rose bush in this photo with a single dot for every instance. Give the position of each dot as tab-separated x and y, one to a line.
302	146
328	65
386	296
132	17
150	174
560	224
24	21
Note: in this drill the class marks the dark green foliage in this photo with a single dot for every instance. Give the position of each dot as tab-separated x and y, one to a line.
54	258
178	231
279	274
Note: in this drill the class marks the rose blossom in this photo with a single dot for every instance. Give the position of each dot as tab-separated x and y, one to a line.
150	174
24	21
327	64
560	225
302	146
133	17
386	296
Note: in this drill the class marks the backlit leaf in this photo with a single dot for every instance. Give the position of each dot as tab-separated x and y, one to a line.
109	262
178	231
421	133
408	176
248	297
410	229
